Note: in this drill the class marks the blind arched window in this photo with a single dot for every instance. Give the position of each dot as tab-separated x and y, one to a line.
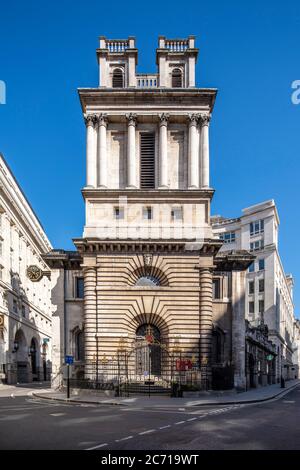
79	346
176	78
118	78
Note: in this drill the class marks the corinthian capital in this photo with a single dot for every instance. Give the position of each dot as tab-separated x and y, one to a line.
204	119
89	119
193	119
131	118
163	119
102	119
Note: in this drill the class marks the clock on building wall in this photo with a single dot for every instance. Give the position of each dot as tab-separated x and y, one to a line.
34	273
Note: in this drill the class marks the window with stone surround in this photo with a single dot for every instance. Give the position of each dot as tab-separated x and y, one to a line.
251	287
216	288
118	78
147	213
257	245
119	213
251	307
79	287
257	227
227	237
261	285
177	81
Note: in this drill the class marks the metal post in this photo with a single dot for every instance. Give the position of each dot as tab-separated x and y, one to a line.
119	389
68	381
180	366
149	369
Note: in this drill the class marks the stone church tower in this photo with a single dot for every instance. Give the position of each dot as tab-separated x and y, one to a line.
147	245
147	254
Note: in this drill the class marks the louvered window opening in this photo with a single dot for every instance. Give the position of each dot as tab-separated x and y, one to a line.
118	81
147	160
176	78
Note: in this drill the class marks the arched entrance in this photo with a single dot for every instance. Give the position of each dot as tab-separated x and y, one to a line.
21	357
148	351
33	358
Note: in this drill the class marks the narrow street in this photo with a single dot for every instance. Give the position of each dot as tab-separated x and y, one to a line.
30	423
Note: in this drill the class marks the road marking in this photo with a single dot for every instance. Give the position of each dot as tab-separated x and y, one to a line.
164	427
146	432
180	422
97	447
124	439
191	419
57	414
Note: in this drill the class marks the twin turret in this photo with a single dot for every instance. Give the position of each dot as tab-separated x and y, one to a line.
175	59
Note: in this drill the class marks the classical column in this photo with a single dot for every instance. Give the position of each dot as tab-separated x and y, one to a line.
193	157
90	319
102	151
205	325
238	329
91	157
131	157
163	150
205	118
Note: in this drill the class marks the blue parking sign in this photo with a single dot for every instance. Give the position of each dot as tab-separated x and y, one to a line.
69	360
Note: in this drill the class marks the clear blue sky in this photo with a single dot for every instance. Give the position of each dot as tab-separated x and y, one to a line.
249	50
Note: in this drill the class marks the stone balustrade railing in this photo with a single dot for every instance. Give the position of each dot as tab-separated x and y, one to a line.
117	45
147	80
176	45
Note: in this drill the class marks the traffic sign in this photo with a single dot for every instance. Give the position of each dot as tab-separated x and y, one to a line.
69	360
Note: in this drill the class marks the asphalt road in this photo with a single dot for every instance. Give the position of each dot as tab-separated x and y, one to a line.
29	423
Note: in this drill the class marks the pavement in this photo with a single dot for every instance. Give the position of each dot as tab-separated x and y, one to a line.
165	402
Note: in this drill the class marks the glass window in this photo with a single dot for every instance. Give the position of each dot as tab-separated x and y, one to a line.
257	227
119	213
261	306
251	287
147	213
79	287
251	267
261	264
23	311
216	289
251	307
257	245
176	213
228	237
261	285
